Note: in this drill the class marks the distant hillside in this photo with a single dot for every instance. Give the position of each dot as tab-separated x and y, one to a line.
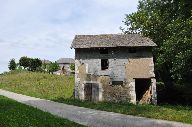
36	84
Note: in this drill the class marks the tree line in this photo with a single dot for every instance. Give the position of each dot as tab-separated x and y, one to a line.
169	24
33	64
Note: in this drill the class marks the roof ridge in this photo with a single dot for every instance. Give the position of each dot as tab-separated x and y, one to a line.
111	40
106	34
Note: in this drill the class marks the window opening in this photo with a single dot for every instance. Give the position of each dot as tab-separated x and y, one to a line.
104	64
103	51
132	50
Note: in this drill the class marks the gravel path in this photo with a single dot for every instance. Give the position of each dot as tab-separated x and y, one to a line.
90	117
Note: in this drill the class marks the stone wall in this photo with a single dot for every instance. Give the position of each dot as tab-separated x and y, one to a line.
123	66
114	93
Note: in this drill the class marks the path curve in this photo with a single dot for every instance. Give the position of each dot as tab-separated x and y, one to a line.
90	117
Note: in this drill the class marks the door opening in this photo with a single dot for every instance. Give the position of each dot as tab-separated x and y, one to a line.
143	90
91	92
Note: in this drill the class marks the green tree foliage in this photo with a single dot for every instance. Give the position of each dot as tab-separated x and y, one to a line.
24	62
52	67
12	64
72	67
35	64
169	24
32	64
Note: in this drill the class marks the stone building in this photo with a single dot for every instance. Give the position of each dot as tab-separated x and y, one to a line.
64	64
114	67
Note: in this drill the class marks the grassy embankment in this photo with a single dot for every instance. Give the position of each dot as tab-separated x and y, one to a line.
60	88
41	85
14	114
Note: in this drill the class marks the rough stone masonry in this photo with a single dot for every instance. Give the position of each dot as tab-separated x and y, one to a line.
114	67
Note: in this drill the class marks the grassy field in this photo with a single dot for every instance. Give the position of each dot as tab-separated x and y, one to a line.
14	114
60	89
40	85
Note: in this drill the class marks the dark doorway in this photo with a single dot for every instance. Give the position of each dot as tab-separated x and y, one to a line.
142	89
91	92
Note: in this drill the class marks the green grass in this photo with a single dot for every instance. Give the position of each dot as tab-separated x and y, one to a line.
36	84
14	114
60	89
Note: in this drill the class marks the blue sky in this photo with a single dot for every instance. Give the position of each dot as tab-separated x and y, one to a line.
45	28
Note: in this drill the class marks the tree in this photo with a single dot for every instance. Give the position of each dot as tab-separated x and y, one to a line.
12	64
24	62
32	64
52	67
35	64
168	23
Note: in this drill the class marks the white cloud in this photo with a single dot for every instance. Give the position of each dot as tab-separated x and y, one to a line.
45	28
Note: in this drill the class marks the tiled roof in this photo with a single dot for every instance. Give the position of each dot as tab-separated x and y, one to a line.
111	40
65	60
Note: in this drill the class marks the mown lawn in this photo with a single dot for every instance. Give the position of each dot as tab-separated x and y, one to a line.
60	89
14	114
